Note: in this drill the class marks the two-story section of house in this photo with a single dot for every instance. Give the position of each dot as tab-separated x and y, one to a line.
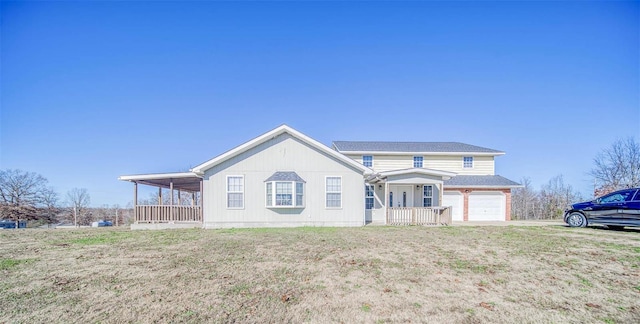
414	177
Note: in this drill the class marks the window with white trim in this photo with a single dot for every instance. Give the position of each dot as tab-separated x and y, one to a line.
367	160
427	196
333	189
417	161
368	196
467	162
282	194
299	194
269	193
235	192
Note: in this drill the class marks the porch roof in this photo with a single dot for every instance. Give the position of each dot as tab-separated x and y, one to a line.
185	181
382	176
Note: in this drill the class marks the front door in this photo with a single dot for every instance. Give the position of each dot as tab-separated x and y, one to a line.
401	196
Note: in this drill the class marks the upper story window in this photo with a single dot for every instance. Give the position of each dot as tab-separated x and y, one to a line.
467	162
367	160
333	189
417	161
235	192
368	196
284	189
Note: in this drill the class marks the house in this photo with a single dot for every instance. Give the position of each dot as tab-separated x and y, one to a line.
284	178
427	174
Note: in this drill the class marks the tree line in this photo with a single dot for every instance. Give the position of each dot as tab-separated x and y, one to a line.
28	196
615	168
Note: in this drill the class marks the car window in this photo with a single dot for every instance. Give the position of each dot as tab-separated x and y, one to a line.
618	197
637	197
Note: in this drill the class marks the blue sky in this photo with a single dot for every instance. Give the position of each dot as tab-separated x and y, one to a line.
94	90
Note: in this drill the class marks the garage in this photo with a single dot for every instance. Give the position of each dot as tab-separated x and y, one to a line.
487	206
455	200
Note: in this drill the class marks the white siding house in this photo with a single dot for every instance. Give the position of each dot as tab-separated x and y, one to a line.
458	176
283	153
284	178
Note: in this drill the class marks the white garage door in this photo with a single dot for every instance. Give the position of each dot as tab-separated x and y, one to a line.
453	199
486	206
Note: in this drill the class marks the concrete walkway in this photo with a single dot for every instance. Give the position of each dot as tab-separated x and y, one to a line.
511	223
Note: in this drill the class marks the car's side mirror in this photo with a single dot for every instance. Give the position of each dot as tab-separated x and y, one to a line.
596	201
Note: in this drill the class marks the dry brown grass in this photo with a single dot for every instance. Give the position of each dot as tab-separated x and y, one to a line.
371	274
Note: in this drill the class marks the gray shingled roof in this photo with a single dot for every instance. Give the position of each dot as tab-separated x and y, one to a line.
447	147
480	181
285	176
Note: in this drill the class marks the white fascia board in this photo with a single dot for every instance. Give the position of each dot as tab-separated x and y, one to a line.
425	171
155	176
273	134
422	153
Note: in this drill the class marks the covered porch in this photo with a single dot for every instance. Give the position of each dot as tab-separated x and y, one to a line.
408	197
183	208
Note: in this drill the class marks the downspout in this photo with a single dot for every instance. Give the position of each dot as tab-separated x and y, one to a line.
201	201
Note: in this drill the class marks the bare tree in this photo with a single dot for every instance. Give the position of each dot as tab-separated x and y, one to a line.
556	196
21	193
51	208
524	201
78	199
617	167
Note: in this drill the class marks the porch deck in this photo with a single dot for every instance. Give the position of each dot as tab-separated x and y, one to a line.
419	216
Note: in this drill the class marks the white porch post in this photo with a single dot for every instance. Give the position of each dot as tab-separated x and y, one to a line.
386	203
171	195
160	196
135	202
440	188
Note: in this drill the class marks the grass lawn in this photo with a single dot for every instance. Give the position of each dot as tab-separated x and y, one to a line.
371	274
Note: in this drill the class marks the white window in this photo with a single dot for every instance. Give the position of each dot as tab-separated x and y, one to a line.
282	193
299	194
367	160
269	194
467	162
368	196
417	161
235	192
427	196
333	191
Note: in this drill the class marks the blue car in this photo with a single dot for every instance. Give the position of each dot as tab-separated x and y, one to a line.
615	210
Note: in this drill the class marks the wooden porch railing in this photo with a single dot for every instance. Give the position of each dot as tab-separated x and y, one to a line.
167	214
419	216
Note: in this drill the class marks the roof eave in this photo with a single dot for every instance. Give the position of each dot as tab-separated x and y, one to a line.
155	176
422	153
